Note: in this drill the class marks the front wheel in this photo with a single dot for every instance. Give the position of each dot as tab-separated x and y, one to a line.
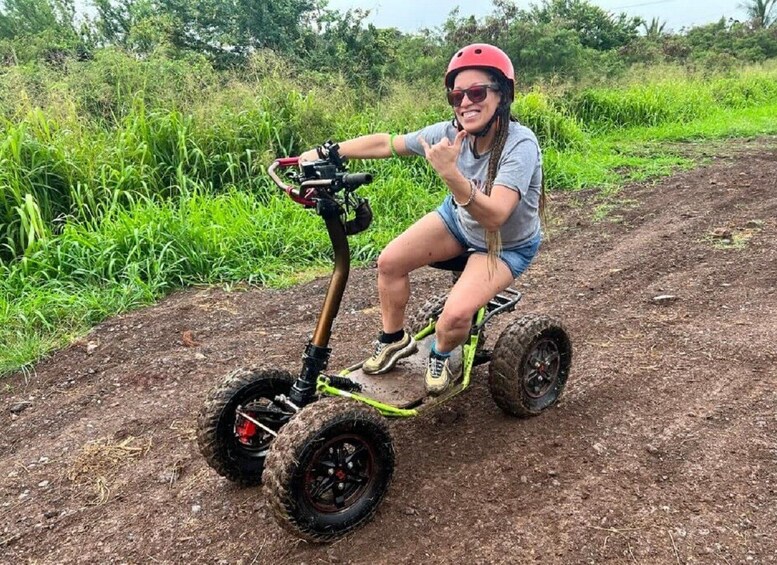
329	468
530	365
227	431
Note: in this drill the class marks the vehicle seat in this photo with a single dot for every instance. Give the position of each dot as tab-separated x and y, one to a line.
456	264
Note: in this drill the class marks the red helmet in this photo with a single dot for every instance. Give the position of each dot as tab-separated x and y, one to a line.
482	56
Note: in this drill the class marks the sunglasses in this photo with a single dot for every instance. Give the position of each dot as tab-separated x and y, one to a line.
476	93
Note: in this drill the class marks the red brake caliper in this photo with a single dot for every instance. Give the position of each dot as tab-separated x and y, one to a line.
245	431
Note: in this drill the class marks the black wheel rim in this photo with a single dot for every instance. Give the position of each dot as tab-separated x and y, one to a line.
251	440
542	367
339	473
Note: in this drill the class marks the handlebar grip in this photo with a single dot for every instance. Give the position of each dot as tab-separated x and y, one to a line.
354	180
287	161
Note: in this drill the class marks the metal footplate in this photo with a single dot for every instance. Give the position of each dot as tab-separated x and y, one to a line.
403	386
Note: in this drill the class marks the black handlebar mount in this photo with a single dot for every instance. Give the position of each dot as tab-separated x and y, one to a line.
328	183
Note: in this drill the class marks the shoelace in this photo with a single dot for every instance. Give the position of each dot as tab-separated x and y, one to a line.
379	346
436	366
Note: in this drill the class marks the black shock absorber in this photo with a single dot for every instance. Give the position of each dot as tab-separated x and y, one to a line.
314	362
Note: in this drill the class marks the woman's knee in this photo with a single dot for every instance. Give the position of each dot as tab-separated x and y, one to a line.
456	316
391	264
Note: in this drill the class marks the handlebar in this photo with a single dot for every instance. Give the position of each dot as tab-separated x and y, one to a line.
293	193
355	180
327	174
288	161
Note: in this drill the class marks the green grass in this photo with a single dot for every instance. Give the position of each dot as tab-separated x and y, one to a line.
99	216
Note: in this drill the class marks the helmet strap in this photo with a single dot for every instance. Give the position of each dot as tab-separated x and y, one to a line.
483	133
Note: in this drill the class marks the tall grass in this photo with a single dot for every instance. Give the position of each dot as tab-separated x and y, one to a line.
126	184
674	97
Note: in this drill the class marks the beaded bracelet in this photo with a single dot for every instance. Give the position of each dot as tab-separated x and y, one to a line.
473	191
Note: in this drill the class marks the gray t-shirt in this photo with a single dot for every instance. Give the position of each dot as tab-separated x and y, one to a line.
520	169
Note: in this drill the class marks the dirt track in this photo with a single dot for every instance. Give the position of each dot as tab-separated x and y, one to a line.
662	450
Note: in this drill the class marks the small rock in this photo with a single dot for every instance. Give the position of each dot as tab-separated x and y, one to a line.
196	508
599	448
188	340
199	356
20	407
51	514
43	484
721	233
652	449
91	346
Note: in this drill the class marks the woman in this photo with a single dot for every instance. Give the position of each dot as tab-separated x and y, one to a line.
492	167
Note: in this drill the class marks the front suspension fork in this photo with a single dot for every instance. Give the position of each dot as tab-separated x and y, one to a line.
314	362
317	353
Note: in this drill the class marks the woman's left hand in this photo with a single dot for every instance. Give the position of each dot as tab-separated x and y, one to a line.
443	155
308	156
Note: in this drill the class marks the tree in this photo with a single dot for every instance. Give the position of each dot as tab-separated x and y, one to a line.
597	28
20	18
138	26
655	29
42	30
339	42
226	30
239	26
760	12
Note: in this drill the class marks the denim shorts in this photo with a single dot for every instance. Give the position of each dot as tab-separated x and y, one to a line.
517	259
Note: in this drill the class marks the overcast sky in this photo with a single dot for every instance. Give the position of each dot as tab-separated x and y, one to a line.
411	15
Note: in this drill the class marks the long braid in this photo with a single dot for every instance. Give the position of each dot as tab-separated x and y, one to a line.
503	119
494	238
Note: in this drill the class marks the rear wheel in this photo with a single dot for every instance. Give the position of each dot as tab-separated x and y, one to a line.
228	431
530	365
329	468
430	310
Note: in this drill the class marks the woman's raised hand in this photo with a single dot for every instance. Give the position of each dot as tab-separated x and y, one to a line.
443	154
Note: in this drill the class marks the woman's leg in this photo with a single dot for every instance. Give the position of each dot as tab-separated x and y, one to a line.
473	290
426	241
